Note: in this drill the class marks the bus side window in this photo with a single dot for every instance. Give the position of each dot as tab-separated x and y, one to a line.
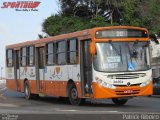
24	56
9	58
50	55
72	51
61	52
31	56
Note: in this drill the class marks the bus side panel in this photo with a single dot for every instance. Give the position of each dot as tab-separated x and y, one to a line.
10	82
79	89
29	74
33	84
21	85
49	86
74	74
56	79
56	88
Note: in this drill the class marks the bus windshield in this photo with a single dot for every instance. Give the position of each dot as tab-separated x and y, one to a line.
122	56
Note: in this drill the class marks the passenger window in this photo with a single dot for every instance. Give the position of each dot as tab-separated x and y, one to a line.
31	56
50	56
73	51
24	56
9	58
61	52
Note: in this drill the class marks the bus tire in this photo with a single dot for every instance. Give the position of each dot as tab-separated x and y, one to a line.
73	95
27	91
35	96
119	101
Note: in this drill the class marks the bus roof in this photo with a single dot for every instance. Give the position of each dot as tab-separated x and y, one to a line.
52	38
82	33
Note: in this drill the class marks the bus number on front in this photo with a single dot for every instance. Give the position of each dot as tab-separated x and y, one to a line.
118	81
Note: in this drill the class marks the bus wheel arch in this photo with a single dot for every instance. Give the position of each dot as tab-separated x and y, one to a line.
72	93
121	101
25	80
70	82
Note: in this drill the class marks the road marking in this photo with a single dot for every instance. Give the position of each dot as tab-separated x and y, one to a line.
109	111
7	105
105	112
67	110
101	112
93	112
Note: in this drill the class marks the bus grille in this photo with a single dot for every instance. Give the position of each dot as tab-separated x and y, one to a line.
127	86
123	93
126	76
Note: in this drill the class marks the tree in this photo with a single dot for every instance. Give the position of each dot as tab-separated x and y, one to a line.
55	24
77	15
149	10
74	8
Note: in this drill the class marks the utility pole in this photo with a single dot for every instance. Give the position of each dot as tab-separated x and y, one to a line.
1	72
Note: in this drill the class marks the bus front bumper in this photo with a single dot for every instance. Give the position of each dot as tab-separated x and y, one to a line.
120	92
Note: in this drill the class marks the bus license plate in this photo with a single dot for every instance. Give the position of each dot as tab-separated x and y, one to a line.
128	91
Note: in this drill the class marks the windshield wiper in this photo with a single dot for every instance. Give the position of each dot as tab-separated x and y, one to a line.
118	53
133	52
129	53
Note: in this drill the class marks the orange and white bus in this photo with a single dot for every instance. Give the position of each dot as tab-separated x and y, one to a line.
105	62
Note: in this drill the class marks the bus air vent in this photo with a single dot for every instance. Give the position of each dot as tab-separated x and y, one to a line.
126	76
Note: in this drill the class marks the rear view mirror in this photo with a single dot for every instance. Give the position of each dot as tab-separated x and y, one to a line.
154	38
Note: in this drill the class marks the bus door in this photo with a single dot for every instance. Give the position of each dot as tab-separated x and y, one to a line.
40	69
86	67
16	68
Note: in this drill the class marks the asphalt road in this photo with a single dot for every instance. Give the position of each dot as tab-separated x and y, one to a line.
14	105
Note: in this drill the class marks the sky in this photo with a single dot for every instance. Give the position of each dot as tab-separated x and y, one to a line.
20	26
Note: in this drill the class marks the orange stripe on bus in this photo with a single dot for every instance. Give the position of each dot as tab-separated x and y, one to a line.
51	88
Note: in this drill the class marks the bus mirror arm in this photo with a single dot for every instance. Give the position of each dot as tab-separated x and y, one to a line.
92	48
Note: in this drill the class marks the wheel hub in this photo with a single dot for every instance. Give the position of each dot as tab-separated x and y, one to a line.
74	94
26	91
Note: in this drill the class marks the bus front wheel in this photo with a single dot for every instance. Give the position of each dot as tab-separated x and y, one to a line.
73	95
119	101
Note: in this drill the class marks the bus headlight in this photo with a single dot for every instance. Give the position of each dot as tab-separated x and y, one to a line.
145	83
104	84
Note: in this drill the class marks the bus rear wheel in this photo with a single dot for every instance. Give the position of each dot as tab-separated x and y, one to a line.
119	101
27	91
73	95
